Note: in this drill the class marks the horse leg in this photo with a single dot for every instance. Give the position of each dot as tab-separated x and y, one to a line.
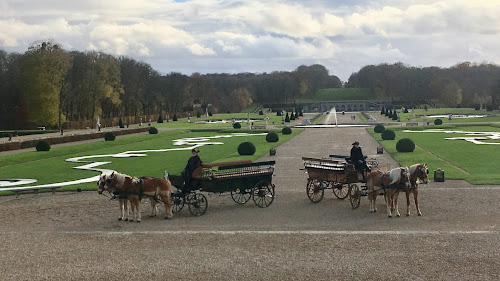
122	210
372	202
168	205
137	210
408	202
153	207
388	201
395	200
415	198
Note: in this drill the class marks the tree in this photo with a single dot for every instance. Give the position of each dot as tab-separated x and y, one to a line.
44	69
447	91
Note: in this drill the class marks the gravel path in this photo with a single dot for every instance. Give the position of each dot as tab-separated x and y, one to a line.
75	236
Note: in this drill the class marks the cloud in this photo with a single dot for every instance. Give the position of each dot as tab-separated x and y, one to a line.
241	36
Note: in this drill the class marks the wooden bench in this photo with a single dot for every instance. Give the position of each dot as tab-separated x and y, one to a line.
411	124
35	189
255	127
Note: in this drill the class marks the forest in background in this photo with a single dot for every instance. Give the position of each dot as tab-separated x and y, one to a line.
47	86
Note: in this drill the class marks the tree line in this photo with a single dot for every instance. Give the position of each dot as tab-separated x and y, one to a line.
462	85
48	85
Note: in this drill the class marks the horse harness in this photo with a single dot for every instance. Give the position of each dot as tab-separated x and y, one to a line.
123	195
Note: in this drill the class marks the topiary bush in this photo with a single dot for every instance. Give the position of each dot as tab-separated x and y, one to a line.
109	136
292	116
286	131
120	123
438	121
175	117
272	137
153	130
405	145
287	118
198	114
237	125
388	135
160	119
246	148
379	128
261	112
43	145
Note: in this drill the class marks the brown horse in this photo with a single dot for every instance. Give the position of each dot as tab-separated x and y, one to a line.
135	189
388	183
122	200
418	173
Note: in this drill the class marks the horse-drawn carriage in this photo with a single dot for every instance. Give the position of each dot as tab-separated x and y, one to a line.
243	179
338	174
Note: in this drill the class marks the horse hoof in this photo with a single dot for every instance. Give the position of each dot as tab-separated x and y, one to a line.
119	219
389	216
138	220
151	216
398	215
419	214
125	220
407	215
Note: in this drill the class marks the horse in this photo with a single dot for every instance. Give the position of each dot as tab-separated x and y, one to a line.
387	183
122	200
135	189
418	173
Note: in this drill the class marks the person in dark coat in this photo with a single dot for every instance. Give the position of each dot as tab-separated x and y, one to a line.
358	159
193	163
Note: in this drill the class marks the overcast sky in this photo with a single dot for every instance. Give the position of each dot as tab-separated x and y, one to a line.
222	36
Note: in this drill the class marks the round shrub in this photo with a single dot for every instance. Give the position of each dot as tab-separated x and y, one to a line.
272	137
246	148
379	129
109	136
261	112
153	130
43	145
405	145
438	122
286	131
237	125
388	135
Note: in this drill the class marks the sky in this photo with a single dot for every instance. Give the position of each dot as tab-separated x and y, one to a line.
222	36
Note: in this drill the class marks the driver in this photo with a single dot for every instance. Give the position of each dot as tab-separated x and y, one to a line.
358	159
193	163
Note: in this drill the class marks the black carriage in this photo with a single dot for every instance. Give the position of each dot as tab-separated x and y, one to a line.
335	173
243	181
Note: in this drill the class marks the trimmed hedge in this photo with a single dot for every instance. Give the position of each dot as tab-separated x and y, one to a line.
109	136
153	130
246	148
438	122
388	135
237	125
43	145
272	137
405	145
286	131
379	129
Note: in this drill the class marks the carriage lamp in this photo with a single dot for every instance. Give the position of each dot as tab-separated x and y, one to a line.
272	152
380	150
439	175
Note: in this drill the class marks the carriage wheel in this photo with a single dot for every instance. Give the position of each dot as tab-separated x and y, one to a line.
177	203
197	204
341	190
241	196
315	190
263	194
354	195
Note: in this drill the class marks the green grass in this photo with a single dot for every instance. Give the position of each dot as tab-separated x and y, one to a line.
51	167
419	113
338	94
476	160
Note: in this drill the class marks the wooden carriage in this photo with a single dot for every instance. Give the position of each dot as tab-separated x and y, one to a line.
334	173
244	180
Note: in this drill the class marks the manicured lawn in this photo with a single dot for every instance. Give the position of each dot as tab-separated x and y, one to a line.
419	113
477	163
51	167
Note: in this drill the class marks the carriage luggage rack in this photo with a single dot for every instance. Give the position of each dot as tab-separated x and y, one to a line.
239	171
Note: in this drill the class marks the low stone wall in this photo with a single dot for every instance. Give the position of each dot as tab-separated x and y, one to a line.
67	138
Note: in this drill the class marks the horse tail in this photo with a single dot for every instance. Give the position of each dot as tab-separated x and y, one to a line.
165	175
